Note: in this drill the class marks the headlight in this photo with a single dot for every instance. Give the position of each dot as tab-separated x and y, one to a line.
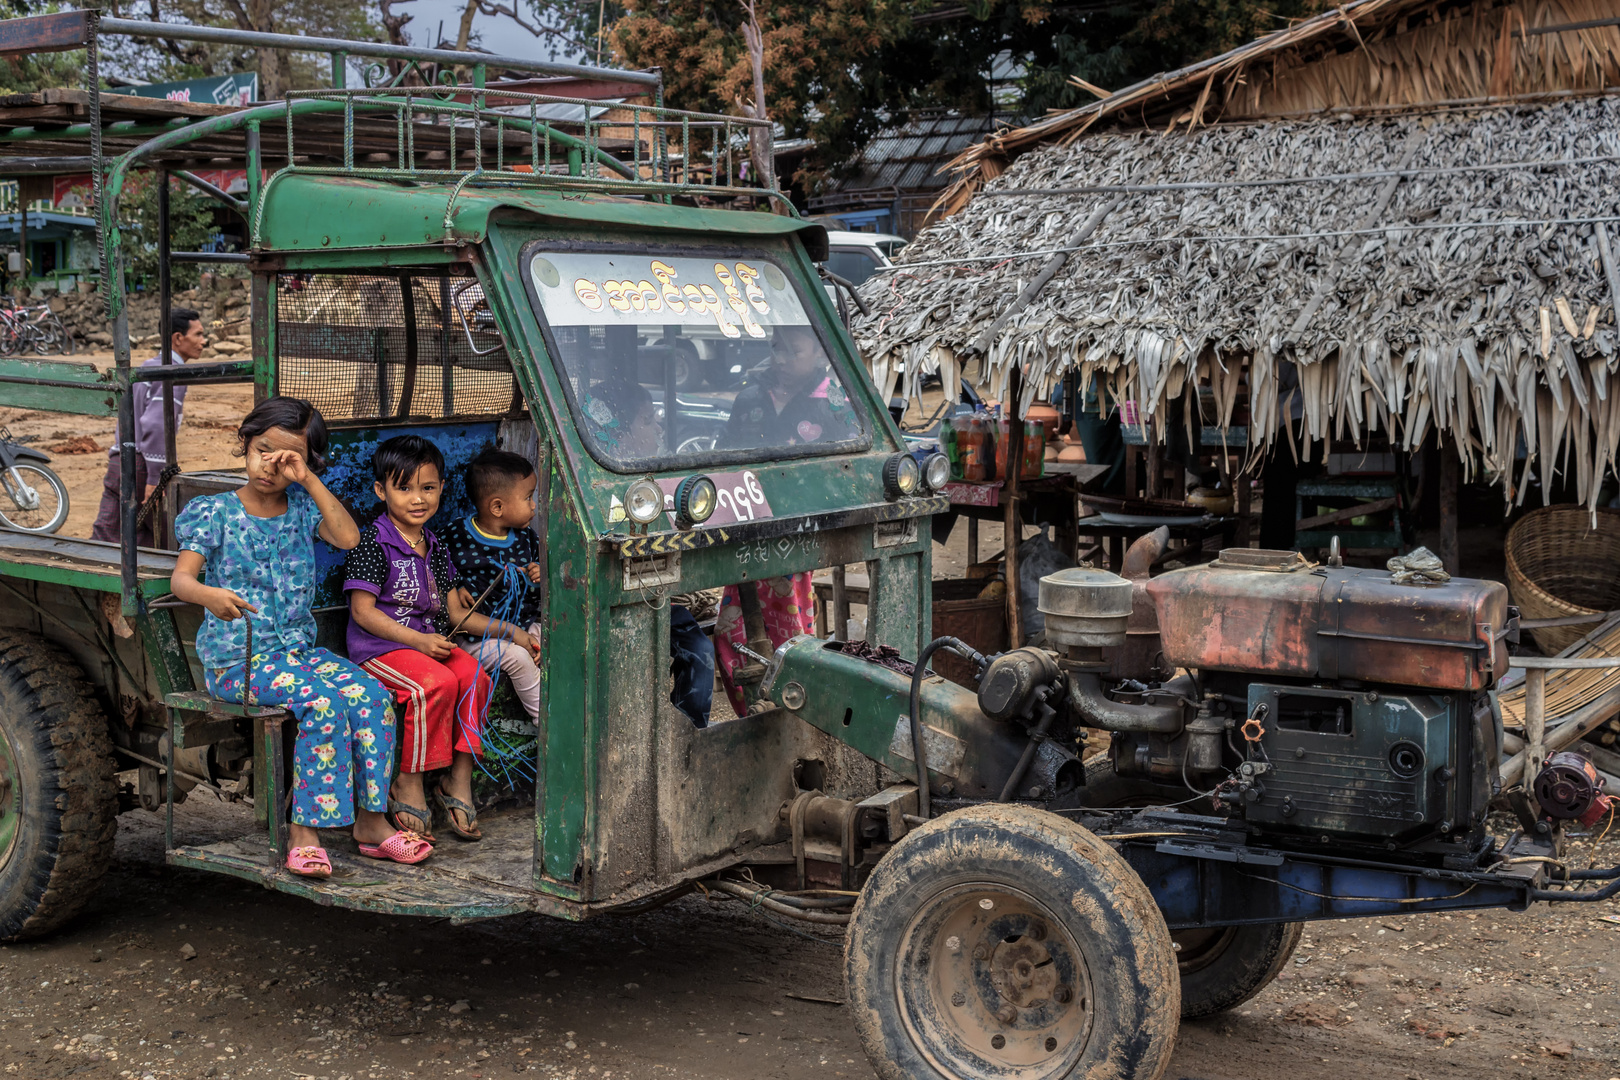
643	502
936	471
901	476
695	499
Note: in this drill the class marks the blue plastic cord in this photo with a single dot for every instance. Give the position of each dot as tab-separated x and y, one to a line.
506	758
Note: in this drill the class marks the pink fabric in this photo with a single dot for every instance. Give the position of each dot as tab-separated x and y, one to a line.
788	607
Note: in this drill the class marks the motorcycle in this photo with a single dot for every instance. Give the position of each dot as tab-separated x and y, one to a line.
36	500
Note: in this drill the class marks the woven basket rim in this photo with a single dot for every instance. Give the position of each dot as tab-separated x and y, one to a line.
1518	579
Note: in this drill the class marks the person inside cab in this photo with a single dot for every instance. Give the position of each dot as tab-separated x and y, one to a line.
797	402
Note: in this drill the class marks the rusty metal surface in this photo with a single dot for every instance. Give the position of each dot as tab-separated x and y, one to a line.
1138	657
1334	624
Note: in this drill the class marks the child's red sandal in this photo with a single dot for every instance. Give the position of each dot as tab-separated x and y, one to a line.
403	847
310	862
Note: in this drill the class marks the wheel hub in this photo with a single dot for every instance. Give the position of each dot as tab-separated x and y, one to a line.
991	983
1023	973
10	799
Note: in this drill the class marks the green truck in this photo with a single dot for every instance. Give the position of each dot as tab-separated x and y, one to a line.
470	263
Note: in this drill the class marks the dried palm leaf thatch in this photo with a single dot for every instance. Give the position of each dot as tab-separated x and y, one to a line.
1472	293
1367	54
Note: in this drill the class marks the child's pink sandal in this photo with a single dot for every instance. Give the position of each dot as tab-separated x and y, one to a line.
310	862
403	847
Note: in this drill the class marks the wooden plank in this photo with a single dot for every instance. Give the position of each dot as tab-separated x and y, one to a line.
58	32
1336	516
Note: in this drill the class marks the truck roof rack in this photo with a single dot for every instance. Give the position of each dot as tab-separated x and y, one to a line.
437	131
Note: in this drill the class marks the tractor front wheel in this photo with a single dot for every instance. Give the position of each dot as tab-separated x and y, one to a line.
58	803
1005	941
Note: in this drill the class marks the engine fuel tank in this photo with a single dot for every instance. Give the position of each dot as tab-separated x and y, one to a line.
1285	617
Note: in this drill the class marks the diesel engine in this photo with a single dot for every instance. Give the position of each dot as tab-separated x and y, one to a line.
1316	704
1328	702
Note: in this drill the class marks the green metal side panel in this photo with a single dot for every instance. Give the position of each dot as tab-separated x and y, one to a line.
165	654
324	212
893	618
571	668
67	387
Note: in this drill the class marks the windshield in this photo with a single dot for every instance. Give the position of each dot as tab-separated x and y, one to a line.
673	361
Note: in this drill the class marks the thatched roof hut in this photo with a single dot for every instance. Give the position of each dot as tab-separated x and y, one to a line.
1428	264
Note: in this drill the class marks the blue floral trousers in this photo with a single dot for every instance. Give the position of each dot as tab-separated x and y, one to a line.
344	752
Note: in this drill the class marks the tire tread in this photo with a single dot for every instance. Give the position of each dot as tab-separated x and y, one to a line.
69	730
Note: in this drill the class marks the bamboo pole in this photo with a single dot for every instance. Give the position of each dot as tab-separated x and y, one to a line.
1574	727
1011	527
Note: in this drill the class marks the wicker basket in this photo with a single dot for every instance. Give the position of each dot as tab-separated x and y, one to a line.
1558	565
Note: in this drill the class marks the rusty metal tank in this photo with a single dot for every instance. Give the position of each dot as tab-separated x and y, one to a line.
1274	613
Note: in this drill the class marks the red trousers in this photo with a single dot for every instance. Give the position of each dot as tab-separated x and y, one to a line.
441	705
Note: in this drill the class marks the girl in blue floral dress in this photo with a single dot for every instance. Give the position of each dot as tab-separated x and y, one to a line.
257	546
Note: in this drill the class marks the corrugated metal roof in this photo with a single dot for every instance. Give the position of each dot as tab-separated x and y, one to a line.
909	157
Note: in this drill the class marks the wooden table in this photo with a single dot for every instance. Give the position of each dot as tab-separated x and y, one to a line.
1053	498
840	590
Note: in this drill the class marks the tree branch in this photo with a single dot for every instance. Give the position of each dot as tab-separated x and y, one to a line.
185	54
489	7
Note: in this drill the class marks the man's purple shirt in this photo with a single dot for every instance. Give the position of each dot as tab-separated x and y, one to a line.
148	400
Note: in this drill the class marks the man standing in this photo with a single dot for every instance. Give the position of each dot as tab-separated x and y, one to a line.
187	340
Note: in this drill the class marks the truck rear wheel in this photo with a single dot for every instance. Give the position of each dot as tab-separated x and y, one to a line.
1221	966
1005	941
58	804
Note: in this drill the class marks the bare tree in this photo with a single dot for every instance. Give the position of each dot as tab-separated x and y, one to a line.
494	9
394	23
759	139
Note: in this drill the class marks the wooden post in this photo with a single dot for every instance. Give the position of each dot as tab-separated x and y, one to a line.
973	540
840	606
1012	523
1450	476
1154	487
1243	496
1535	722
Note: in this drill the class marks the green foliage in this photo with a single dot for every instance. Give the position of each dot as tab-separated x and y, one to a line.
41	71
822	59
839	71
166	61
191	223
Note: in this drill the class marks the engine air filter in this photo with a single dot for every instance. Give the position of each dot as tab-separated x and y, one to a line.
1085	607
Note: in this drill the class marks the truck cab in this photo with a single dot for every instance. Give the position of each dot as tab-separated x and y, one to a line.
532	329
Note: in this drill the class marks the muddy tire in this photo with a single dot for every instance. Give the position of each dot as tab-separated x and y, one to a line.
1223	966
58	803
1005	941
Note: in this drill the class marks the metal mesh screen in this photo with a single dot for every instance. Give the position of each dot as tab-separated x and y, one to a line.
378	346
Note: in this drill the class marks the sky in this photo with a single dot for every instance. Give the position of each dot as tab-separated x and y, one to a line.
500	36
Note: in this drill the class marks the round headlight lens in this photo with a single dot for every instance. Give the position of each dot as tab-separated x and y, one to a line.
936	471
901	476
695	499
643	502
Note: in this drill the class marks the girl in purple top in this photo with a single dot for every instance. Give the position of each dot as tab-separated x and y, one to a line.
398	576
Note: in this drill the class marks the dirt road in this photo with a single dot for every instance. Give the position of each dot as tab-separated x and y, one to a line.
206	438
176	974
